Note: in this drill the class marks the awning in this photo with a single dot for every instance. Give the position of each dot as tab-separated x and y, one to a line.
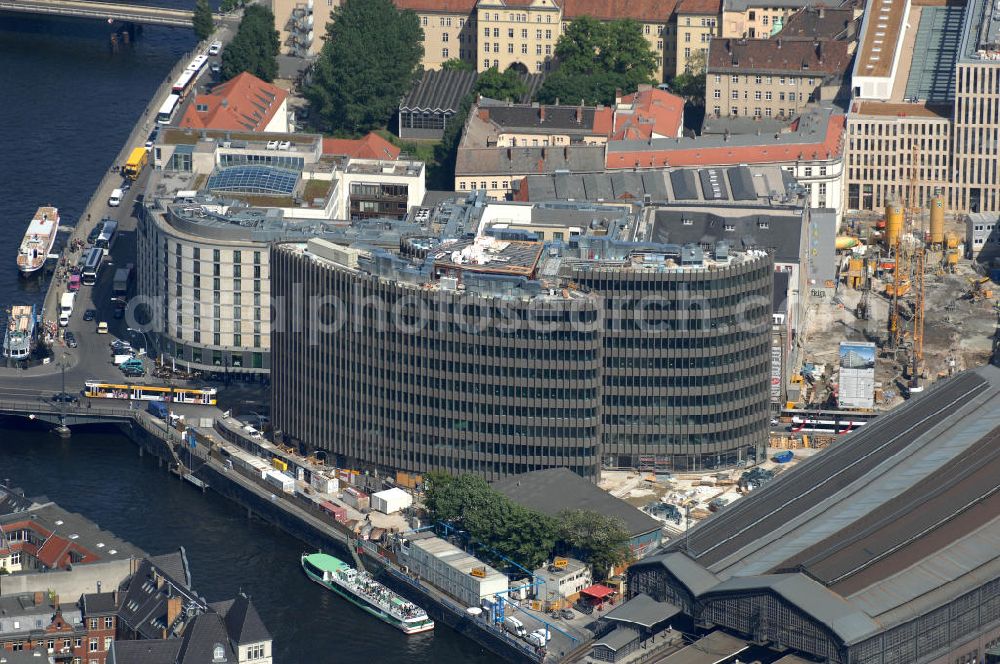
643	610
597	591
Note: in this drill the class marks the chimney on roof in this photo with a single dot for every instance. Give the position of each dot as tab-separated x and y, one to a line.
541	113
579	114
484	114
822	11
618	96
779	43
39	598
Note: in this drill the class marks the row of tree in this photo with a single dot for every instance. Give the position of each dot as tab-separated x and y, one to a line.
254	48
525	536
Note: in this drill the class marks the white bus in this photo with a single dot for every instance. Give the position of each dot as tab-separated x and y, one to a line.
92	262
197	64
183	82
166	113
106	240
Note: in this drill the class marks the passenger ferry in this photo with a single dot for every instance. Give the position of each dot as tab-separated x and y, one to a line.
20	335
366	593
38	240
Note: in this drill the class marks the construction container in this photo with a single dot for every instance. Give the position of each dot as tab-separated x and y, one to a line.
391	500
279	464
357	499
338	512
937	219
893	223
280	481
408	480
324	484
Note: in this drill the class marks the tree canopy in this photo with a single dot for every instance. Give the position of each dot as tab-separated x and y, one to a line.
254	48
204	24
458	64
506	86
596	59
368	61
521	534
691	83
601	540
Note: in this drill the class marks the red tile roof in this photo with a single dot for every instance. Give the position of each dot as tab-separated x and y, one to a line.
655	112
603	120
244	103
438	6
644	11
371	146
726	155
699	7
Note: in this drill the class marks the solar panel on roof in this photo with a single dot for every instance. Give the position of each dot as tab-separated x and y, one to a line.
254	180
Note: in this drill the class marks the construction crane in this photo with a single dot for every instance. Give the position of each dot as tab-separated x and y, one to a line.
921	249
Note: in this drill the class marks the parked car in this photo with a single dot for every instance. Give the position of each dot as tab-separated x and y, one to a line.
63	397
215	48
70	339
567	614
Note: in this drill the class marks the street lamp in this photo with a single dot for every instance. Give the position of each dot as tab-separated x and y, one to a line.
62	429
145	337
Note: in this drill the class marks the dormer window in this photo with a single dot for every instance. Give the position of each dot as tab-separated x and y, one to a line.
218	653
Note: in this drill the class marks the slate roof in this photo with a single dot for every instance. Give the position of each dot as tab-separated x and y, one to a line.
146	651
556	489
529	160
642	610
618	638
751	229
12	501
895	521
202	636
146	593
243	623
99	603
808	24
439	90
778	56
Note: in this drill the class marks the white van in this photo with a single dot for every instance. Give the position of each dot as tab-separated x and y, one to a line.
215	48
66	308
514	626
115	199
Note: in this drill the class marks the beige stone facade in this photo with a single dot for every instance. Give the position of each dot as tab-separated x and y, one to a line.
879	152
754	21
977	134
301	25
697	22
449	30
758	95
517	33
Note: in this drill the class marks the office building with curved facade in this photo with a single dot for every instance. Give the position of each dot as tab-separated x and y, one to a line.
212	207
527	337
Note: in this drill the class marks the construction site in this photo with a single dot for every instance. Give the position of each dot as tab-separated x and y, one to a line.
907	286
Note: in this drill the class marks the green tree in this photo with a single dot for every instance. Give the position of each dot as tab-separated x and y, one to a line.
204	24
457	64
255	46
506	86
690	84
595	538
227	6
596	59
368	61
491	518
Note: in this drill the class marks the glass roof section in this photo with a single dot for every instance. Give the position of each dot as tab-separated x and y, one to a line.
266	180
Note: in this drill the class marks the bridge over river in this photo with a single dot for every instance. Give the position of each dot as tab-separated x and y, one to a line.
105	11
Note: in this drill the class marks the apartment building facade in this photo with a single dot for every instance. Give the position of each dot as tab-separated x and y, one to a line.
697	22
301	24
772	77
449	29
757	19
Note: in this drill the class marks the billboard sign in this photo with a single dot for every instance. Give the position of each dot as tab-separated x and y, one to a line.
857	375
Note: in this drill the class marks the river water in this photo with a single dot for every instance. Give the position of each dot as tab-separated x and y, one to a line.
69	103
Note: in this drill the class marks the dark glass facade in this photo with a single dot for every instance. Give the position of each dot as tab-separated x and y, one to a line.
656	369
686	383
385	375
